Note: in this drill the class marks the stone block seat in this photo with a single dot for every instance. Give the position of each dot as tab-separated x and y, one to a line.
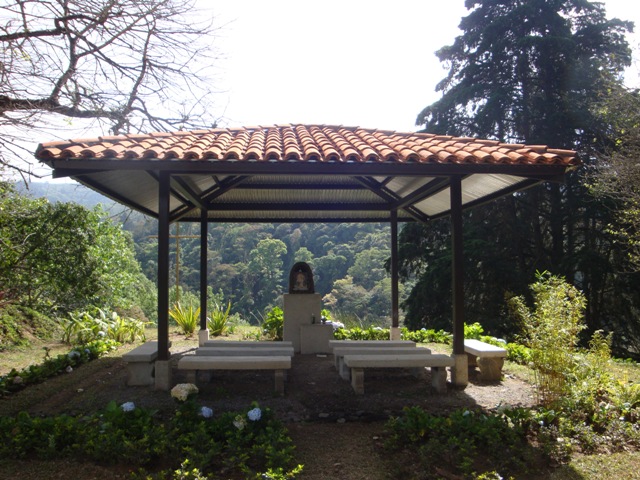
340	352
246	344
436	362
358	344
246	351
195	363
489	358
141	364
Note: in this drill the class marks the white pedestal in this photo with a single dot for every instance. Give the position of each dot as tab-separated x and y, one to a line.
315	338
300	309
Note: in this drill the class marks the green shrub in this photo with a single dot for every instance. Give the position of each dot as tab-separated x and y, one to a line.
273	324
187	318
249	444
427	336
17	380
83	327
551	330
356	333
218	320
464	441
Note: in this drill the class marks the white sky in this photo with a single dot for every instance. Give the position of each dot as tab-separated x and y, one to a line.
367	63
342	62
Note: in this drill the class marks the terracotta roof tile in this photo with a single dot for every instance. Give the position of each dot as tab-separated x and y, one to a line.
305	143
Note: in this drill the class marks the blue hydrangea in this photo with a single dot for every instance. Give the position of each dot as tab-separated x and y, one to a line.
254	415
206	412
128	407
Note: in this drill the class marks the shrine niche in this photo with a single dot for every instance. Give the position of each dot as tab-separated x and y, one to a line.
301	279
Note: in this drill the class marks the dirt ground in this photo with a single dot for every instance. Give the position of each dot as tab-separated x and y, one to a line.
336	432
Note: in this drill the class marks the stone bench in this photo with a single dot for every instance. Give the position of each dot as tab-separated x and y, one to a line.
340	352
245	344
141	364
437	363
195	363
368	344
246	351
489	358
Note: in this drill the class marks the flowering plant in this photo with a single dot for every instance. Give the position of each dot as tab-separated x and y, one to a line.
239	422
206	412
128	407
182	391
254	414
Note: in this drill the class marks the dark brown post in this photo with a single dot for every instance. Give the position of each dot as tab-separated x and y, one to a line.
204	227
395	316
457	265
163	266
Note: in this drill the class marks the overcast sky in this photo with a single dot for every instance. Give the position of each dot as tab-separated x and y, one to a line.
343	62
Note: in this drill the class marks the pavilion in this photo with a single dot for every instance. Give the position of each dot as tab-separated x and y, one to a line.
303	173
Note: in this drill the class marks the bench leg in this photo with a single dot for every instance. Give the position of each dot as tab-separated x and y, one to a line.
279	374
191	376
439	379
491	368
140	373
357	380
345	372
472	360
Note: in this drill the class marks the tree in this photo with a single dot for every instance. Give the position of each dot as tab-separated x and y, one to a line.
265	271
128	65
526	72
617	176
64	257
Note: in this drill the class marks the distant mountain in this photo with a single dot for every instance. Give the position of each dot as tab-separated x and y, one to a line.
65	192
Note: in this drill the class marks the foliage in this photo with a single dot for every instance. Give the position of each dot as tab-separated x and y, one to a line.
187	318
463	442
551	330
18	324
84	327
273	324
356	333
218	319
533	73
201	444
427	336
17	380
62	257
123	64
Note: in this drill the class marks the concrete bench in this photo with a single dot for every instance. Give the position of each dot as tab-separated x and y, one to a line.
489	358
245	344
340	352
246	351
370	343
195	363
437	363
141	364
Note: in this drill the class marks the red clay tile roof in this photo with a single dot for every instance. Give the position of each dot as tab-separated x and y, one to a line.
306	143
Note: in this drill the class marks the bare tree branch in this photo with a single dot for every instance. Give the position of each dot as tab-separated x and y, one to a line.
130	64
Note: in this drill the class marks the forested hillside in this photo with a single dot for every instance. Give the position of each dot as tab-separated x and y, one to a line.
249	263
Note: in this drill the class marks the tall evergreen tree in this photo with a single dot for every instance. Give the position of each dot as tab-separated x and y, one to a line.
526	71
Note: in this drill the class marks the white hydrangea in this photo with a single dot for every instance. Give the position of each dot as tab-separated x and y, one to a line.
182	391
239	422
